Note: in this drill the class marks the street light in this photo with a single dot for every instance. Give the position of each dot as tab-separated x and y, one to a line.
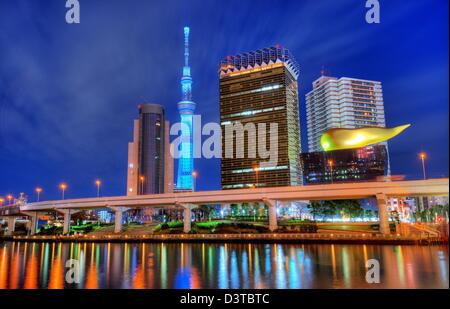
330	164
63	188
256	169
38	191
422	158
194	174
2	200
9	197
98	183
142	178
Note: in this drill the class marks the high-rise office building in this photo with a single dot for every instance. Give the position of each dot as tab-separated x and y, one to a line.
150	164
186	108
260	87
342	103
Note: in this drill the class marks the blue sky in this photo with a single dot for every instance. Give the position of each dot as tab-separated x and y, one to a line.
69	93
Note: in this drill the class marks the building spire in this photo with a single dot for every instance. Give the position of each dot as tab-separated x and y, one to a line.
186	79
186	46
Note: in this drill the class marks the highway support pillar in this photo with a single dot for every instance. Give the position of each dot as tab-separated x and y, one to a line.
33	215
11	225
383	214
118	218
187	216
272	207
67	217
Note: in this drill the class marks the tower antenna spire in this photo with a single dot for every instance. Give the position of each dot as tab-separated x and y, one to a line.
186	46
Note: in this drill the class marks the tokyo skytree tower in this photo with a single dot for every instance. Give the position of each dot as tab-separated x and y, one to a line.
186	107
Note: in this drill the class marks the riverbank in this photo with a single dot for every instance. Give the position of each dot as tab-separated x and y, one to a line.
319	238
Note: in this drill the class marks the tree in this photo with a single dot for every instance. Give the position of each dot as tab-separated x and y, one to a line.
314	208
322	208
445	212
205	211
329	208
245	209
213	212
299	209
349	208
368	213
234	210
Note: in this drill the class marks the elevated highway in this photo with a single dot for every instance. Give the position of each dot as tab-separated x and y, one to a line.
272	197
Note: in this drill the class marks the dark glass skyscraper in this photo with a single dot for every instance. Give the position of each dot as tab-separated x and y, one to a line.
150	165
260	87
151	148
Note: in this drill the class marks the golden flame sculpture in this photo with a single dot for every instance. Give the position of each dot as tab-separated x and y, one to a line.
336	139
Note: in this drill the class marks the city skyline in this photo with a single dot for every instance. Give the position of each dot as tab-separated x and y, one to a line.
77	162
200	148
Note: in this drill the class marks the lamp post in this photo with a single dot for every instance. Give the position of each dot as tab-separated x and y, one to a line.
142	179
9	197
63	188
38	192
2	200
194	174
98	183
330	164
256	169
422	158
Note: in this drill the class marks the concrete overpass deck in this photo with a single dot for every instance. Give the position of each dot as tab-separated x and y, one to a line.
271	196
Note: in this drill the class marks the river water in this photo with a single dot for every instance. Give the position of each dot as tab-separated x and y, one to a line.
224	266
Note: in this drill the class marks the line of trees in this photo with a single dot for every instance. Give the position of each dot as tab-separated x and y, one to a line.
430	214
323	210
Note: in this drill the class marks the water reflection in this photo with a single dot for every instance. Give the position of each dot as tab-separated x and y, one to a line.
143	266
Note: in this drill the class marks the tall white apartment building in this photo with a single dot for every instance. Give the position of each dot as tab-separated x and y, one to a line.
342	103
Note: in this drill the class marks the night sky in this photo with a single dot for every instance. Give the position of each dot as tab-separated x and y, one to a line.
69	93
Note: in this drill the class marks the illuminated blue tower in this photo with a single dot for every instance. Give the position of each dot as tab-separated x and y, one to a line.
186	107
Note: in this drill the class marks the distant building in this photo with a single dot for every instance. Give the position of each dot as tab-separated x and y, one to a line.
438	201
402	207
260	87
150	164
342	103
350	165
421	203
104	216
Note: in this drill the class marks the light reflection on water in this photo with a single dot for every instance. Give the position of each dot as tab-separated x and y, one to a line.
224	266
